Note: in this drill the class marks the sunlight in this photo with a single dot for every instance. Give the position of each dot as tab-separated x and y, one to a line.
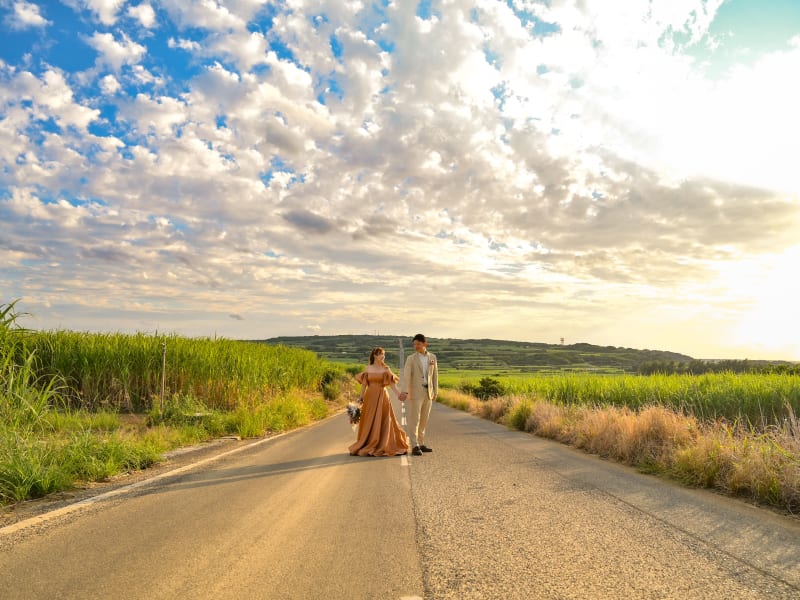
759	152
772	324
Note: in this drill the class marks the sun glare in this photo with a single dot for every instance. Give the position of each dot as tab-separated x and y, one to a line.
772	326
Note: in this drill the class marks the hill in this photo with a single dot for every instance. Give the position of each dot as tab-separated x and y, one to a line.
483	354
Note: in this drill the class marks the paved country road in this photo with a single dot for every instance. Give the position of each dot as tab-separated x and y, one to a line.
491	513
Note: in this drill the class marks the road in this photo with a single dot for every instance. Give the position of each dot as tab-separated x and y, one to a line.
491	513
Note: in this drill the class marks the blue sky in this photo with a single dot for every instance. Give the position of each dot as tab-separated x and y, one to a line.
620	174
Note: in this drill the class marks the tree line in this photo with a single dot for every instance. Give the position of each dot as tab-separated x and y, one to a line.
698	367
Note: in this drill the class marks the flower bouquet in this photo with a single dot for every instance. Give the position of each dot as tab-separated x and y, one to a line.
354	412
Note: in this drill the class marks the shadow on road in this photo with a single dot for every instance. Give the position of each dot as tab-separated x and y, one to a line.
213	477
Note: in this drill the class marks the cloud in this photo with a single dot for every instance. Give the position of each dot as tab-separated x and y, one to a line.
110	85
531	173
188	45
211	16
25	15
104	11
144	13
308	221
116	53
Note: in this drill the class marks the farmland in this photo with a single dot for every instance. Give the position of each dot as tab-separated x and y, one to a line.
63	396
760	399
485	355
727	425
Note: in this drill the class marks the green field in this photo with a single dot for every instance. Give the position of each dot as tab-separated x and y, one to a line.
761	399
63	396
63	393
124	372
483	354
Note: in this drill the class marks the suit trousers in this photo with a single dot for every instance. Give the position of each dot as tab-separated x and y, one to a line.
419	408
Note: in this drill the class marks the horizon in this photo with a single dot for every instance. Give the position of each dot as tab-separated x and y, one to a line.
621	174
408	338
565	344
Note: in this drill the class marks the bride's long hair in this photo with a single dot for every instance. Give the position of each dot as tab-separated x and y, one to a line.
375	351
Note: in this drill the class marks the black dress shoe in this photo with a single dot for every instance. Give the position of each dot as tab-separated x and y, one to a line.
424	448
416	451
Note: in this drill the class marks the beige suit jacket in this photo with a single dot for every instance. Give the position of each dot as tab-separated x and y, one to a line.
413	380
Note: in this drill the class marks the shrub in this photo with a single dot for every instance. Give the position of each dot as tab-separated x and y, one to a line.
332	390
488	387
495	409
519	413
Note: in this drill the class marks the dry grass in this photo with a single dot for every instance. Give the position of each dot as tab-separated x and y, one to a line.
763	466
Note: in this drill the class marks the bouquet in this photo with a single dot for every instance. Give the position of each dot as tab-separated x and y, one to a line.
354	412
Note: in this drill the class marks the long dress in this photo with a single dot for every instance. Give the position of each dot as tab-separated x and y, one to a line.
379	434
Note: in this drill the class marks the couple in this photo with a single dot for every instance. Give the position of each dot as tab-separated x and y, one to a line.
378	431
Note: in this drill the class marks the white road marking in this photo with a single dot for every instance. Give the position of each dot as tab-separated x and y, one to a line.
403	462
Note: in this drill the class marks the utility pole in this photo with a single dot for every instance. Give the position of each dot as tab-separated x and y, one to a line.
163	377
401	365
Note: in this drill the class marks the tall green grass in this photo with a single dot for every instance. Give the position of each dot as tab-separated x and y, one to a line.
760	399
124	372
61	394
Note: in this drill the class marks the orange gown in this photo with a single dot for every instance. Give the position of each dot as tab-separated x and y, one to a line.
379	434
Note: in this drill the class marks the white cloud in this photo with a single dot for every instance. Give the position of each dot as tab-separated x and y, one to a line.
537	185
110	85
246	48
144	13
143	76
51	97
160	114
25	15
105	10
188	45
116	53
212	16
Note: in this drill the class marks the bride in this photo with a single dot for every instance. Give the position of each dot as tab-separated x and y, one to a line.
378	431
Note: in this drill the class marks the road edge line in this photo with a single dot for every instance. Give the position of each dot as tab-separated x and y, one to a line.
64	510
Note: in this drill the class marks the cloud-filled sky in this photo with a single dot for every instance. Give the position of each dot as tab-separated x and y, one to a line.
619	173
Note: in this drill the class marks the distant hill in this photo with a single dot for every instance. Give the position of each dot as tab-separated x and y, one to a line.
483	354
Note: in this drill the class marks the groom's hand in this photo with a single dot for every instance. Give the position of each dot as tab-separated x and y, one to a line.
402	396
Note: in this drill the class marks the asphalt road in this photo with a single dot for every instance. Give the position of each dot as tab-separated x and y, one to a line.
491	513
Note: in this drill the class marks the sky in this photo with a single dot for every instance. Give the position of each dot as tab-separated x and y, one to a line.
616	173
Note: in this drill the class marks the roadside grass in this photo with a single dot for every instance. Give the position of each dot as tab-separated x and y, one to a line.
37	465
125	372
62	419
729	456
761	399
67	448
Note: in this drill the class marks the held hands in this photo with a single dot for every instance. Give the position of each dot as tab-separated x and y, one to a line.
402	396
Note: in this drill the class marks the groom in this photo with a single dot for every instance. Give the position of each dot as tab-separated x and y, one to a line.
420	385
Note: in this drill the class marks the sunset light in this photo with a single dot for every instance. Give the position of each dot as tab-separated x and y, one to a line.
616	173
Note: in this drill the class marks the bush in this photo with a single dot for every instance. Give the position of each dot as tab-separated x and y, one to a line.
331	390
518	416
488	387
